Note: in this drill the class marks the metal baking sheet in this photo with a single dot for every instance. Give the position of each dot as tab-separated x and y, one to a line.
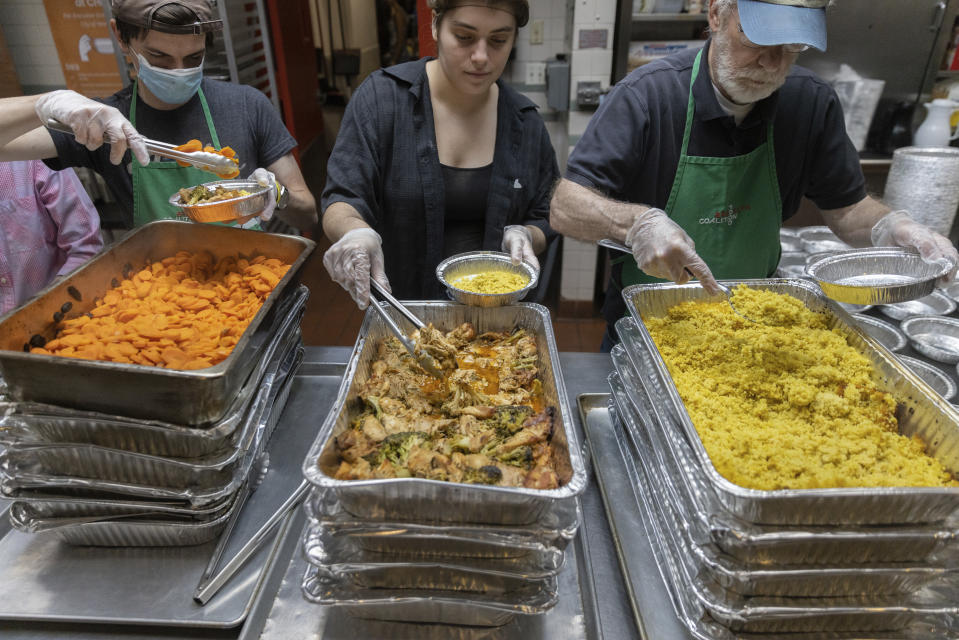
183	397
770	545
921	412
416	498
45	580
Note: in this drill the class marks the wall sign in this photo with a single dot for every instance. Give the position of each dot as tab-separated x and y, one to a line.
82	37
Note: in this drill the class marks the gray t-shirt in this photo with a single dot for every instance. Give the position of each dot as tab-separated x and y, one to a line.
243	117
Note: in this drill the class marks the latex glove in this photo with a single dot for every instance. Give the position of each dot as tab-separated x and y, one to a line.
663	250
93	124
266	179
898	229
518	243
353	260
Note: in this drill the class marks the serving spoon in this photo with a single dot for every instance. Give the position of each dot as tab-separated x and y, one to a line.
617	246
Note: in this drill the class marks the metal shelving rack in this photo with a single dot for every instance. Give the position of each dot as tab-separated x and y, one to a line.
240	53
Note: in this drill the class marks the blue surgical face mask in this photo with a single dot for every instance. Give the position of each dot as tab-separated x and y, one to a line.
172	86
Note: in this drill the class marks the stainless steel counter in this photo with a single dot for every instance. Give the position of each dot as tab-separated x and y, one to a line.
583	373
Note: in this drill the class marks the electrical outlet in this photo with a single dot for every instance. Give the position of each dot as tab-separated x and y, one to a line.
535	73
536	32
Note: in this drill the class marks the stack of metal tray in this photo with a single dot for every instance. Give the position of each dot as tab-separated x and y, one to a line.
91	478
411	549
807	562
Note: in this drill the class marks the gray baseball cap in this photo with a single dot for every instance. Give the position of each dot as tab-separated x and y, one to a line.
140	14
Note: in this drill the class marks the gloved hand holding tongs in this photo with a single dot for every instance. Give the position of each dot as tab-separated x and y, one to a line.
93	123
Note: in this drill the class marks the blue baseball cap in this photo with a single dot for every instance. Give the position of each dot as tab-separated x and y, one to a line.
776	22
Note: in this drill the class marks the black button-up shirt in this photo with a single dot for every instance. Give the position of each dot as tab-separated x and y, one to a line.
386	166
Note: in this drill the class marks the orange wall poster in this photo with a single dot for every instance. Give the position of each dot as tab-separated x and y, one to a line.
82	36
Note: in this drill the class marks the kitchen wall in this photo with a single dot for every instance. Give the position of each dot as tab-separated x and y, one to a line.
31	46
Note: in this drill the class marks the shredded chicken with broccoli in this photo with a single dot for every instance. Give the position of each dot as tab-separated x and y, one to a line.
485	422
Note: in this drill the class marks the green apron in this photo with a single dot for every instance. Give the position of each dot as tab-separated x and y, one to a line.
730	207
155	183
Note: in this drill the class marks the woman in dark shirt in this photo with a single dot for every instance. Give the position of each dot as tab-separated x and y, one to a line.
436	157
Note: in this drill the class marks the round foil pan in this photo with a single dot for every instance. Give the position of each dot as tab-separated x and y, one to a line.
934	304
885	332
876	275
952	291
230	209
792	264
473	262
934	337
820	239
931	375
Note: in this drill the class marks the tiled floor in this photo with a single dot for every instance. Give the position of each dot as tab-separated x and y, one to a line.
332	318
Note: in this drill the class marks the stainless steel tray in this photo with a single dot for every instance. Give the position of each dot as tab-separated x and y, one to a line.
416	498
263	423
799	581
183	397
785	615
770	545
338	555
36	422
921	413
428	606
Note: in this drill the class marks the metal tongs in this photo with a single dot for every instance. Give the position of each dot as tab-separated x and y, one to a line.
616	246
423	359
212	162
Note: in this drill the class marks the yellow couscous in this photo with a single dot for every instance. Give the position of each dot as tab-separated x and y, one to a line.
491	282
788	404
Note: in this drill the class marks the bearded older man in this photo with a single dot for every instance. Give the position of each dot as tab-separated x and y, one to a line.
695	160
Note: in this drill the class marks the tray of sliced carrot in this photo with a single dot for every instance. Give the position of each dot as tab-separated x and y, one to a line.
166	324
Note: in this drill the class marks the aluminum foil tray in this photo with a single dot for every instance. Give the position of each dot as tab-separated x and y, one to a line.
876	275
415	499
931	375
340	554
30	422
885	333
68	486
101	463
932	606
428	606
934	304
820	239
798	581
124	532
183	397
431	541
44	507
921	413
935	337
767	546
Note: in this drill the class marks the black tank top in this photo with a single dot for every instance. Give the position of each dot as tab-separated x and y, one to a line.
467	192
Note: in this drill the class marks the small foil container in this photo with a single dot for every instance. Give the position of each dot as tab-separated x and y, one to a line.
792	264
474	262
225	210
876	275
820	239
884	332
934	337
931	375
952	291
934	304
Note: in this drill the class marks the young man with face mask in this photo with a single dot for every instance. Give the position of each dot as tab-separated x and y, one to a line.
695	160
171	101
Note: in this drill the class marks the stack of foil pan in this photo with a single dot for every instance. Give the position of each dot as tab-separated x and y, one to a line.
91	478
416	550
739	561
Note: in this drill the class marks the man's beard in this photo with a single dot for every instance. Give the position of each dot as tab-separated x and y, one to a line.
735	82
